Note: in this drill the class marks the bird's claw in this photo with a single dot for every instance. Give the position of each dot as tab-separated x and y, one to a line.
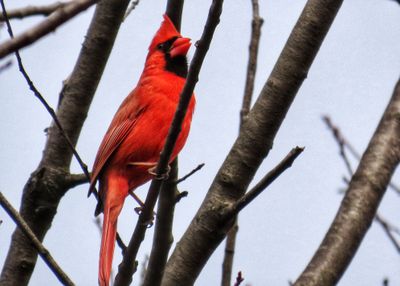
162	177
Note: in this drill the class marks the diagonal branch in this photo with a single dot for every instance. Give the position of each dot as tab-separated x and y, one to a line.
43	252
126	270
253	143
360	203
30	10
59	17
388	228
264	182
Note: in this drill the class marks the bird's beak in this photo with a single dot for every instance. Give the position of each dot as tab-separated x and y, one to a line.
180	47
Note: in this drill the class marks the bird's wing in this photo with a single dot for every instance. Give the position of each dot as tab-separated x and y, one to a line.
113	138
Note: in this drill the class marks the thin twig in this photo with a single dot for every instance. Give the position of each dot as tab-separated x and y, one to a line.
341	140
30	10
48	25
6	66
124	276
131	8
266	181
388	228
252	62
43	252
198	168
239	279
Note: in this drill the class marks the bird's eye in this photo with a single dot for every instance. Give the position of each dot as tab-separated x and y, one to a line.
160	46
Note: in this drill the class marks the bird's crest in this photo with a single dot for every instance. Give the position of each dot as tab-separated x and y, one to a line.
166	31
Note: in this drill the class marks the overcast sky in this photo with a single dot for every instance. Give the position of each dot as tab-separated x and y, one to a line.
351	79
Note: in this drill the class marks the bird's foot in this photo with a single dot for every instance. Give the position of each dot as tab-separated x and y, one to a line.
165	176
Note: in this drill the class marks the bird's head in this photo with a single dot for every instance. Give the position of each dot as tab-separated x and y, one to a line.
168	49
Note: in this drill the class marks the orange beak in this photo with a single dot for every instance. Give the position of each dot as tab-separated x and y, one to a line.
180	47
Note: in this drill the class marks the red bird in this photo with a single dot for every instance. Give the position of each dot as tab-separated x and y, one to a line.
131	147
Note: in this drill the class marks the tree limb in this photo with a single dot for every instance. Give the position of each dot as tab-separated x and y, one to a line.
360	203
30	10
43	252
48	25
252	145
163	238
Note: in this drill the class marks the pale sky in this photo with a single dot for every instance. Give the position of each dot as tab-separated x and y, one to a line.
351	79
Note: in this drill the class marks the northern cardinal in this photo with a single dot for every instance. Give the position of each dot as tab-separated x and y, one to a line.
131	147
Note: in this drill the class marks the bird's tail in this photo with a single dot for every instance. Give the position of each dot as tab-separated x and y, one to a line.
108	243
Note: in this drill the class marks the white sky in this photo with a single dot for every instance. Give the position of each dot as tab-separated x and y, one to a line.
351	79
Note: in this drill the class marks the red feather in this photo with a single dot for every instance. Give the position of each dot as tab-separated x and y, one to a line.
137	135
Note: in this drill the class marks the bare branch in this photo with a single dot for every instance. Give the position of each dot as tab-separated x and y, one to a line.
252	62
131	7
360	202
48	25
266	181
124	276
229	254
252	145
239	279
5	66
43	252
388	228
163	238
198	168
30	10
73	180
341	140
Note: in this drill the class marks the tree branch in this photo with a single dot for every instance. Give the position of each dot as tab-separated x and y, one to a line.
388	229
46	186
163	238
256	24
126	270
43	252
360	203
30	10
252	145
343	142
48	25
265	182
198	168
